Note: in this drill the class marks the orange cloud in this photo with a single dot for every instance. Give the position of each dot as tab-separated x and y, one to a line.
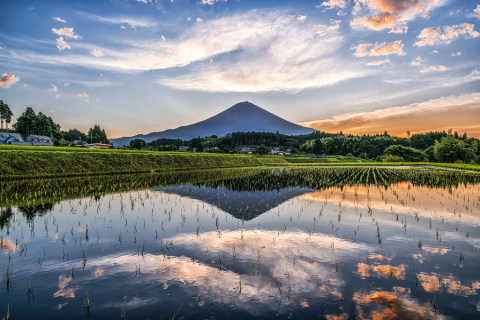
434	68
7	80
382	49
434	36
82	94
394	14
461	113
377	62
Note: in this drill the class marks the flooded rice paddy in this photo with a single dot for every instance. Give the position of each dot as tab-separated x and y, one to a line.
325	243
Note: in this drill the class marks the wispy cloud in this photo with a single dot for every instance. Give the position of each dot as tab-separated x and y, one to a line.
7	80
384	14
381	49
53	88
378	62
458	112
332	4
434	68
66	32
97	53
62	44
256	51
132	22
475	13
434	36
211	2
59	19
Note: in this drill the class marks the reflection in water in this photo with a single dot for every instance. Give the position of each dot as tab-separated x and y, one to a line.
335	244
392	305
244	205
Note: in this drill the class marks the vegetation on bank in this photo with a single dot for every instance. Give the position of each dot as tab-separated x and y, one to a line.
53	162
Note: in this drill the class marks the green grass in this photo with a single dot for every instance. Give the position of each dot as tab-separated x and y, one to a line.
474	167
43	162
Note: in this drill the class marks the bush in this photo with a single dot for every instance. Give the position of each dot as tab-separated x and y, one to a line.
392	158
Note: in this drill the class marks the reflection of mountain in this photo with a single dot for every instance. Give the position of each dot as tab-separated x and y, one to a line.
244	205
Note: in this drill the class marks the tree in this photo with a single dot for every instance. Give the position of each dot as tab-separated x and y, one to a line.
138	144
5	113
261	150
408	154
97	135
318	147
26	123
74	134
451	149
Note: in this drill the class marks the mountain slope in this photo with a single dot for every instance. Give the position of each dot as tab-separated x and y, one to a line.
242	117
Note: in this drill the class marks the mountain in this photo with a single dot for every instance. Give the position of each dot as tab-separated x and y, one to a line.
242	117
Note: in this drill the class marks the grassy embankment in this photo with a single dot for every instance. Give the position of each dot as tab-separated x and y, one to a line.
26	162
343	161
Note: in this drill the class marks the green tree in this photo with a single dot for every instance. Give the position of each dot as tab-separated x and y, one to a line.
26	124
317	147
74	134
261	150
97	135
5	113
408	154
451	149
138	144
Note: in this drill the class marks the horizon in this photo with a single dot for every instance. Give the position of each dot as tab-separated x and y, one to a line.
141	66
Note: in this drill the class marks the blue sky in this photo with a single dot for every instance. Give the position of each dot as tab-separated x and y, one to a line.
137	66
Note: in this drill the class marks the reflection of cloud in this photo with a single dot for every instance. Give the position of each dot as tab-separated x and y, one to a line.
388	271
63	291
7	245
390	305
434	283
98	272
303	264
458	112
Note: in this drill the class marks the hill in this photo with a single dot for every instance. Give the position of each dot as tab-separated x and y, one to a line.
242	117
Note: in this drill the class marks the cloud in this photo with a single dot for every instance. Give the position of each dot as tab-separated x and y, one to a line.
301	18
378	62
459	112
199	20
332	4
384	14
434	36
59	19
97	53
62	45
255	51
7	80
434	68
66	32
418	61
53	88
211	2
399	29
82	94
382	49
132	22
476	13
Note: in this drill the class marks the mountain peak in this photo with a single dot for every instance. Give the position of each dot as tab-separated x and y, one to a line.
241	117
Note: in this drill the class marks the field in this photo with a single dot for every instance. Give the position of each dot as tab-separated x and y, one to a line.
328	242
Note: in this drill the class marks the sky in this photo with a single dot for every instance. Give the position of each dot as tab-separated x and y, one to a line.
140	66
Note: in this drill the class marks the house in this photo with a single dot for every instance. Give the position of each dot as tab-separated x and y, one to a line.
99	145
37	138
8	138
246	150
275	151
211	149
183	148
287	152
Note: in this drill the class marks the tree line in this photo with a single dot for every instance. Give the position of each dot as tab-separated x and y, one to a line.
32	123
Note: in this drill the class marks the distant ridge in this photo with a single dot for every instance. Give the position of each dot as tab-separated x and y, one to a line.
241	117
